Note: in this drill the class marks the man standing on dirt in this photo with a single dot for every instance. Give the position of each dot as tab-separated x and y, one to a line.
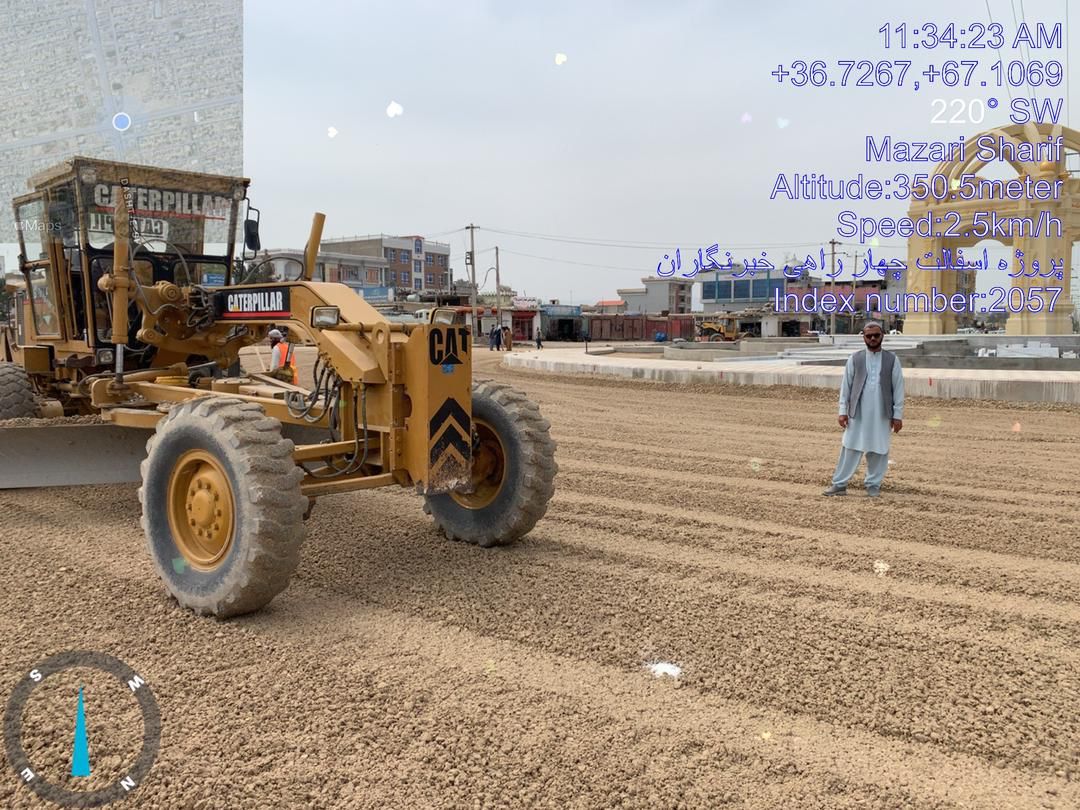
871	405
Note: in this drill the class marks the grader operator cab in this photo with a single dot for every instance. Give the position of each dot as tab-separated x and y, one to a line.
134	304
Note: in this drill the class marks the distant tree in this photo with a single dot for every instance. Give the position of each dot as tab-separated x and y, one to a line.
259	273
259	270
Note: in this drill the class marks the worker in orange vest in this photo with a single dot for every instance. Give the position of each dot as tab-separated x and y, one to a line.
282	358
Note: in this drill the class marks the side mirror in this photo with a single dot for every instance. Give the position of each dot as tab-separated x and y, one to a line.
251	235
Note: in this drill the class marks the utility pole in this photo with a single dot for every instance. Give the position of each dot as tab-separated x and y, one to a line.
855	269
832	317
498	290
471	261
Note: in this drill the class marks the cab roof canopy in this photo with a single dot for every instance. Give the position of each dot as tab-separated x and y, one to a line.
94	170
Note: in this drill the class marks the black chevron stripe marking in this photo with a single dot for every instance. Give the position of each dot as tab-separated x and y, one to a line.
446	410
451	437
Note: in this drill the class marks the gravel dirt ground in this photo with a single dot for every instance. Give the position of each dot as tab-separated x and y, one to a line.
921	650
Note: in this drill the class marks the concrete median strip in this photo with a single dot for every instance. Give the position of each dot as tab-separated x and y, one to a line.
990	384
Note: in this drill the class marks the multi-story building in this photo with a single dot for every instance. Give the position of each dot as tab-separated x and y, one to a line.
735	290
412	263
368	276
658	295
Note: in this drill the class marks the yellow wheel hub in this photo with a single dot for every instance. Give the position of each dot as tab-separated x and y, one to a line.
488	469
201	509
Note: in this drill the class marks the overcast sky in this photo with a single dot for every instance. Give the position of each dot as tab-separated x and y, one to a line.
639	136
663	126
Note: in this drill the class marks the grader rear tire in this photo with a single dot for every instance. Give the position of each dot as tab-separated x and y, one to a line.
16	393
222	508
513	471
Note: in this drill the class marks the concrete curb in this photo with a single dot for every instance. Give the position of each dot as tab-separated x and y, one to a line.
1004	386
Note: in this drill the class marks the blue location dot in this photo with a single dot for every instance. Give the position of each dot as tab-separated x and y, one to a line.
121	122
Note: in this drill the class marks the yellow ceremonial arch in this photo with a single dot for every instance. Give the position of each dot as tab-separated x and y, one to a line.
1043	244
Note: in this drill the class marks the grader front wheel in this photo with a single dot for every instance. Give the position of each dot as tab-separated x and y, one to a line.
222	508
16	393
513	471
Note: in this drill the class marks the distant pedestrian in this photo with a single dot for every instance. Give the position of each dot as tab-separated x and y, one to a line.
508	338
871	405
496	333
539	343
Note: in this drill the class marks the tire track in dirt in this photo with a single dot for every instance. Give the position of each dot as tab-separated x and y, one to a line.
248	725
401	669
796	467
764	543
891	516
829	669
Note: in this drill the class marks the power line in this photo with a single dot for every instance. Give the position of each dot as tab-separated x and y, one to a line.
466	250
1004	73
584	240
650	270
1027	48
580	264
630	245
1024	59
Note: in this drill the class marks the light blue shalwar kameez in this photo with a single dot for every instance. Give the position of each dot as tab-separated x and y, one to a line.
871	431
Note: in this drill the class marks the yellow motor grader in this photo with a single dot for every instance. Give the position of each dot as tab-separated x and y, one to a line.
720	328
130	314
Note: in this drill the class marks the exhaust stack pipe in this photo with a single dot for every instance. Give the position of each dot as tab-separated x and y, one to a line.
311	252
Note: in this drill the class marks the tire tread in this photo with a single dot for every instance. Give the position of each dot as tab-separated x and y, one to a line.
17	398
530	501
275	532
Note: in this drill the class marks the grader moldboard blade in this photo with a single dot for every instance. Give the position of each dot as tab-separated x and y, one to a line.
59	455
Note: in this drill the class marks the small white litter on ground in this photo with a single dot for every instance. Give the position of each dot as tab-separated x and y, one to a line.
662	668
881	568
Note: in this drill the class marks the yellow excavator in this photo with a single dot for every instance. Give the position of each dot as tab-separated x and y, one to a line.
137	294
